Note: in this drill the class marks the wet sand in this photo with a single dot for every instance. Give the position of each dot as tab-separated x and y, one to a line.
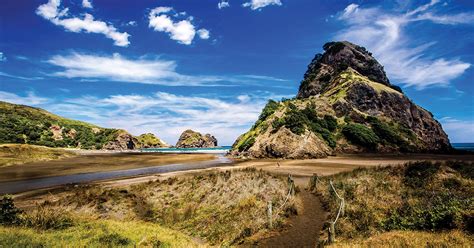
95	163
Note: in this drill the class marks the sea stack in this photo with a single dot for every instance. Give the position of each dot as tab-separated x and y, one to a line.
192	139
345	104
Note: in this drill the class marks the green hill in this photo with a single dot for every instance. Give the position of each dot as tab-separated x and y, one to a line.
28	125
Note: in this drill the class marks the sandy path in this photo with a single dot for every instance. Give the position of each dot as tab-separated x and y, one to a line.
306	226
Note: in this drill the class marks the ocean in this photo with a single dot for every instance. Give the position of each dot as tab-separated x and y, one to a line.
464	146
217	150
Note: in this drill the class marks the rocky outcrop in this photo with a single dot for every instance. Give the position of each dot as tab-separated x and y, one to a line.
338	57
149	140
123	141
192	139
345	104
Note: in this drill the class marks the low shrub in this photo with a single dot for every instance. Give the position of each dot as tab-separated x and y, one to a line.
361	135
9	213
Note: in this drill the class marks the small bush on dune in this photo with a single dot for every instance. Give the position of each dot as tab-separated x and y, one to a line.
9	213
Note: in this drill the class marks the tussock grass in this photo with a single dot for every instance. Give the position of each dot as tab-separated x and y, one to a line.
222	208
12	154
420	196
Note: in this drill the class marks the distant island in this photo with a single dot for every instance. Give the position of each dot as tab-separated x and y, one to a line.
192	139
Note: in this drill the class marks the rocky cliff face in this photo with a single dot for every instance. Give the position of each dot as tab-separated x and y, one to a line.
345	104
192	139
122	141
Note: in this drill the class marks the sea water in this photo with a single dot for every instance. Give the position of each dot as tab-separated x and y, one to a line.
464	146
217	150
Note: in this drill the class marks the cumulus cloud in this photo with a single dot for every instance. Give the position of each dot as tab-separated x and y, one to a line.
29	99
178	25
223	4
384	34
87	4
154	70
257	4
86	23
203	33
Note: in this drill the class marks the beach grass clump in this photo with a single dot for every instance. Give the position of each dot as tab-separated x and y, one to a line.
415	197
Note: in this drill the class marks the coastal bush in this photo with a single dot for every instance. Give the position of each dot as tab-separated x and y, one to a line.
361	135
247	144
386	132
9	213
268	110
299	120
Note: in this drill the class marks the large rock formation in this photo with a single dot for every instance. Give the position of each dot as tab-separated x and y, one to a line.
122	141
345	104
192	139
149	140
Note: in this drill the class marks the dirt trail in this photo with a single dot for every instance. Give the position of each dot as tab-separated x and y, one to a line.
306	226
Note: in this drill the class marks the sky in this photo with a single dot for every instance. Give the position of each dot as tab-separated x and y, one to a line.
164	66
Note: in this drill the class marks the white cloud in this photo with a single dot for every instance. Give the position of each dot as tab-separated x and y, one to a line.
131	23
51	11
459	131
383	33
87	4
167	114
257	4
30	99
183	31
143	70
223	4
203	33
3	74
2	57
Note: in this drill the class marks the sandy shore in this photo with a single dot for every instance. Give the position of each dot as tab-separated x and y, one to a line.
99	162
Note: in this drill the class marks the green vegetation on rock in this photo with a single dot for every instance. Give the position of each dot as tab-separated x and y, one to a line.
298	121
361	135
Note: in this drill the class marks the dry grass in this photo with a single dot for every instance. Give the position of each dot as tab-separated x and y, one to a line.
222	208
397	239
13	154
422	196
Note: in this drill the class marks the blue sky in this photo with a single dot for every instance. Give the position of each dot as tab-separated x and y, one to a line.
165	66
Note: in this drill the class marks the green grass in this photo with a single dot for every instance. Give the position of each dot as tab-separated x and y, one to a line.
12	154
96	233
421	196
